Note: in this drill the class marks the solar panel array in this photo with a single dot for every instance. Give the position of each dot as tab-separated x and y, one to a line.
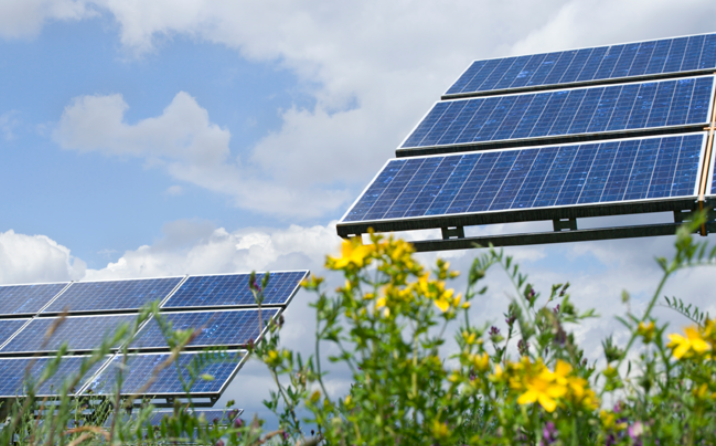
76	317
605	131
653	58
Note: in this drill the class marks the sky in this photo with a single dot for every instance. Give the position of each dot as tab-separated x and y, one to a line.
152	138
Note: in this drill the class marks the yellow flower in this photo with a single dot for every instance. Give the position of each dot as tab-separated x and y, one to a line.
469	337
543	387
440	430
646	331
380	303
684	346
498	375
315	396
354	252
481	362
609	421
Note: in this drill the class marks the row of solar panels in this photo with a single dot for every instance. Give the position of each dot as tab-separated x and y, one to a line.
195	292
140	375
509	180
568	113
589	65
227	328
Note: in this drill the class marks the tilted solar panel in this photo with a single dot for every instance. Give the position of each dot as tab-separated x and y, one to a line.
564	113
588	65
112	295
141	368
513	179
8	327
15	370
82	333
27	299
228	328
233	290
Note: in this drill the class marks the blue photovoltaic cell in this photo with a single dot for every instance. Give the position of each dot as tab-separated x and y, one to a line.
9	326
80	333
599	172
14	370
113	295
683	54
141	367
27	299
218	328
233	289
566	112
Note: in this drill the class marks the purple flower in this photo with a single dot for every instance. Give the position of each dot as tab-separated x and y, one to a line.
494	331
220	443
510	320
238	422
635	431
549	434
523	347
285	435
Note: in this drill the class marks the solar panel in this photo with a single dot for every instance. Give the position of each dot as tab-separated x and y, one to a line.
15	370
27	299
8	327
80	333
112	295
572	112
222	328
512	179
141	367
233	290
588	65
213	416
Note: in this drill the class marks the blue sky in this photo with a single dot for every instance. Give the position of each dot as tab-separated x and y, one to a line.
149	138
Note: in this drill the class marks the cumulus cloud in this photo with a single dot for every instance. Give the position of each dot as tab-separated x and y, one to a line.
25	18
36	259
183	141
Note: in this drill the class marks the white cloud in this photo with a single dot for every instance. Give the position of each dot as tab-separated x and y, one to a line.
36	258
25	18
8	123
191	148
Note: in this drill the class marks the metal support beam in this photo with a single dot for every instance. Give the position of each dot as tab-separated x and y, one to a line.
453	232
577	235
564	224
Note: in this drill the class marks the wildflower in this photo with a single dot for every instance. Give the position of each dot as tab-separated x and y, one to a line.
469	337
543	386
684	346
315	396
440	430
481	362
523	347
353	253
635	431
549	434
646	331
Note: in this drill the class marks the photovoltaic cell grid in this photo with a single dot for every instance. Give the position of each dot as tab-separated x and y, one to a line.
9	326
600	172
684	54
141	367
223	328
566	113
80	333
13	372
113	295
231	290
27	299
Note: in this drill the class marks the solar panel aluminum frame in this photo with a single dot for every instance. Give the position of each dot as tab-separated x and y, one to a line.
44	313
166	309
211	395
540	141
447	223
607	81
189	348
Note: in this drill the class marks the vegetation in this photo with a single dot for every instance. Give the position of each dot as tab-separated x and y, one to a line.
524	382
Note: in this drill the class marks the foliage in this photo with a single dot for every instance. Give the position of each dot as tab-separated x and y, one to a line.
422	373
526	382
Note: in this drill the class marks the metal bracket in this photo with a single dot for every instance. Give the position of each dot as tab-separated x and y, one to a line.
564	224
453	232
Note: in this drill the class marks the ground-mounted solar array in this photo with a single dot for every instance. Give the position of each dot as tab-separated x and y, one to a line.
594	132
581	111
77	318
587	65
